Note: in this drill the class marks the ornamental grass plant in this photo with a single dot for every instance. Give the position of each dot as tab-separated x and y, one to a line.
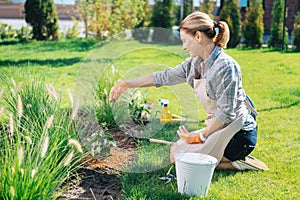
39	146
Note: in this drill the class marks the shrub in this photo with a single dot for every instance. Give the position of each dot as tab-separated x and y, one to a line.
42	16
296	33
73	31
254	26
230	14
24	34
7	31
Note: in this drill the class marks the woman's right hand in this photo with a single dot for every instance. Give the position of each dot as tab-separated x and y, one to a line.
117	90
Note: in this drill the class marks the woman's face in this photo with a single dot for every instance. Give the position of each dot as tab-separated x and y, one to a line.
190	44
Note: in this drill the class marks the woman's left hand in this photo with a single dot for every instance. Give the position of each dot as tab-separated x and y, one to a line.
190	138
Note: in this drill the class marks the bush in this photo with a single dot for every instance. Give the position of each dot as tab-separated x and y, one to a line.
254	26
296	33
7	32
73	32
230	14
24	34
42	16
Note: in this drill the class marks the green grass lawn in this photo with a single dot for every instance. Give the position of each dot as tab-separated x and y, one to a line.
271	78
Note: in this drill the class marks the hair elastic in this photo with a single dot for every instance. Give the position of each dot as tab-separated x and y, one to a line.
216	28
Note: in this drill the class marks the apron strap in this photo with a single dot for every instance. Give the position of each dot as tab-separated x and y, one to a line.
250	107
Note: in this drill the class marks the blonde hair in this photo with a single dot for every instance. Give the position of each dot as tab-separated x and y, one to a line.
199	21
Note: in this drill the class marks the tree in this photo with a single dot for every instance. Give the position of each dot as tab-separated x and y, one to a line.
296	33
275	39
42	16
207	6
230	14
126	15
162	18
84	10
187	9
254	27
110	16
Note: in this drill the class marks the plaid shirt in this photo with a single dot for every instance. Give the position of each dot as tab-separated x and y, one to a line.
223	82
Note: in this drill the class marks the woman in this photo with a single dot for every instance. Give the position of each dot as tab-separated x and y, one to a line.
230	134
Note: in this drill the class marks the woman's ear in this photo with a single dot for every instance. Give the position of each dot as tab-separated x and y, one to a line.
198	36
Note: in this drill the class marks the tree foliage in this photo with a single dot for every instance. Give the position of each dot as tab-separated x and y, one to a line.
187	9
207	6
42	16
296	33
230	14
162	14
275	39
108	17
254	27
162	17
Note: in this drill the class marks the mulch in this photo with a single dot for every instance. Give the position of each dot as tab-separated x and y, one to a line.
98	178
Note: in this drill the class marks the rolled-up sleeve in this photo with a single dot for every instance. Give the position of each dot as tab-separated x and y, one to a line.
172	76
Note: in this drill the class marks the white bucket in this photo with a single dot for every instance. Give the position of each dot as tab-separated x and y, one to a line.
194	172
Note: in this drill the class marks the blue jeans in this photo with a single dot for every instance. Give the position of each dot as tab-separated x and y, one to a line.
241	145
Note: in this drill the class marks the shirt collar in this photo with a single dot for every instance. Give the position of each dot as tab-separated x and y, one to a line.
213	56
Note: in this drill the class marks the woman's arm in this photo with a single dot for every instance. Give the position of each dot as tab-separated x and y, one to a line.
213	126
169	76
143	81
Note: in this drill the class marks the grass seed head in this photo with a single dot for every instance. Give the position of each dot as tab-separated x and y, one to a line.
11	124
29	140
45	146
2	110
12	191
13	82
113	70
70	97
69	158
75	109
51	91
49	122
18	87
33	172
20	153
76	145
22	171
20	107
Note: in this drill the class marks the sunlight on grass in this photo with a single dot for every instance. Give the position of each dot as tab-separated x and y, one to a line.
271	79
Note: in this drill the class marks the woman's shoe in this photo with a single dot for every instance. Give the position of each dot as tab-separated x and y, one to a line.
250	163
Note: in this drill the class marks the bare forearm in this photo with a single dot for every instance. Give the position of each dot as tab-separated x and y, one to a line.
212	127
143	81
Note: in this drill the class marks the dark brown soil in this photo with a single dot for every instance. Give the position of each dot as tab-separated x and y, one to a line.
98	179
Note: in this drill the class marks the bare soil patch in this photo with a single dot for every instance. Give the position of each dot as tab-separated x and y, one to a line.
98	179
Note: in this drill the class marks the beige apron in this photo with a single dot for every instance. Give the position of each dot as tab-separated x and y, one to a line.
217	141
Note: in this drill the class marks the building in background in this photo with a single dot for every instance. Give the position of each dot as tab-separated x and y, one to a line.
66	9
